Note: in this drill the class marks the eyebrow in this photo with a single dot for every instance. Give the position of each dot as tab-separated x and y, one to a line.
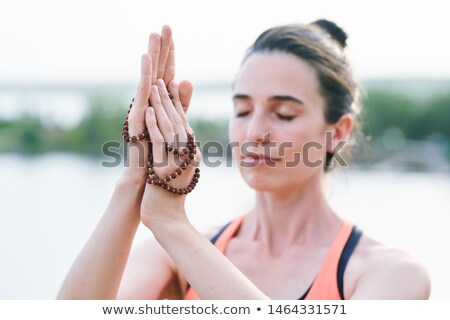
273	98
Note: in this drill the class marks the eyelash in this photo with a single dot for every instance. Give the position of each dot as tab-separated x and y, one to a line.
284	118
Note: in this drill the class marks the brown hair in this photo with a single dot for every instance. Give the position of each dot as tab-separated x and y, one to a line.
321	44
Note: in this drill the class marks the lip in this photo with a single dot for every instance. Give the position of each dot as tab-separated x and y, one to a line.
258	159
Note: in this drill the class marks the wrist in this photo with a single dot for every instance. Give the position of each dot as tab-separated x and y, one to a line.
127	184
132	179
168	225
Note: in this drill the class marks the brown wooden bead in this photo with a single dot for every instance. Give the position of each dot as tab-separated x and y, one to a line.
197	170
151	177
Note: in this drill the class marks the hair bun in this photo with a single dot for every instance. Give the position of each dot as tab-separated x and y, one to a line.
333	30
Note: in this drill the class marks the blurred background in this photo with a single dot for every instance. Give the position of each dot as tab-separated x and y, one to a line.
68	70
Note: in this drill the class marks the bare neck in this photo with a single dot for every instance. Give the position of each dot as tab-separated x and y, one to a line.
299	216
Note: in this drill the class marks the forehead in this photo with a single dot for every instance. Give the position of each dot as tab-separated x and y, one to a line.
267	74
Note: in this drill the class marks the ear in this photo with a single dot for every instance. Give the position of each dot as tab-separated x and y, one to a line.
340	132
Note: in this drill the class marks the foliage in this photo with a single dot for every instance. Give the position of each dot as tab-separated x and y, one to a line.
383	110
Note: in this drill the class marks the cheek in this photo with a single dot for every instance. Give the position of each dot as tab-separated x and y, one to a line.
235	137
306	144
232	130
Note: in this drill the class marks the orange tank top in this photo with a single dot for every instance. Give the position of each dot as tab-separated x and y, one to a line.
328	284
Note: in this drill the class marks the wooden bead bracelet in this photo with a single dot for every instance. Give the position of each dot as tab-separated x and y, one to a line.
189	150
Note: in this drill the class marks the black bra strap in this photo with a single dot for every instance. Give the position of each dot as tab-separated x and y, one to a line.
345	256
218	234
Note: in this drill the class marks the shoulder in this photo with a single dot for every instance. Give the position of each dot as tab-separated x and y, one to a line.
383	272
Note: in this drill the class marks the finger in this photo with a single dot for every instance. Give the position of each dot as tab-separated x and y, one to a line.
186	89
172	113
154	47
174	91
163	121
136	116
155	136
166	40
169	72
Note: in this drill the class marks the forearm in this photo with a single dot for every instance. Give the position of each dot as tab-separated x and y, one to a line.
98	269
208	271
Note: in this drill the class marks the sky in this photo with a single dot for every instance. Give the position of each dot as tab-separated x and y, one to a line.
57	42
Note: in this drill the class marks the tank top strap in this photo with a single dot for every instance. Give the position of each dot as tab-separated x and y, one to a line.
325	286
222	241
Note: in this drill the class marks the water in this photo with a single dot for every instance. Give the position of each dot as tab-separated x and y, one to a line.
50	204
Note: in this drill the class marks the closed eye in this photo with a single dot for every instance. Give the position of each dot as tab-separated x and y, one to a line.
242	114
285	118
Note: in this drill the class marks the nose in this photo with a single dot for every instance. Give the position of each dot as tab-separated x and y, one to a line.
258	129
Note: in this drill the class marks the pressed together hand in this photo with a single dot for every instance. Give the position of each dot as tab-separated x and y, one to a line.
160	108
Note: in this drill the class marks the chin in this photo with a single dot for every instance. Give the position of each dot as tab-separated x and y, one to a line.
260	182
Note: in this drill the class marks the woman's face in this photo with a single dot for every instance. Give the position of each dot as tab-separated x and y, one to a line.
278	93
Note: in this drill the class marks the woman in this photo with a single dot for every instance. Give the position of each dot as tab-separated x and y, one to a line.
294	95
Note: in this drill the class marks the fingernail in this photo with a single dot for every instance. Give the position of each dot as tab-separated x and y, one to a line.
150	111
154	88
